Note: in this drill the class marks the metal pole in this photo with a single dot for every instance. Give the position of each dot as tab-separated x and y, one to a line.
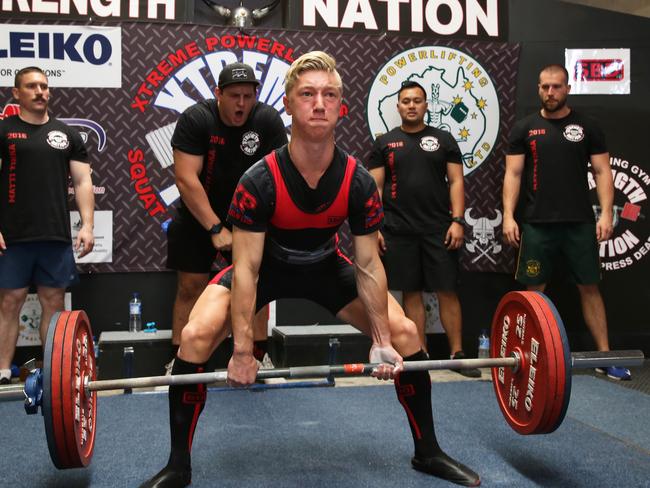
578	360
360	369
12	392
591	359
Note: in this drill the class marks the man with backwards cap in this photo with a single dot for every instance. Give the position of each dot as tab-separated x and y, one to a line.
214	142
286	211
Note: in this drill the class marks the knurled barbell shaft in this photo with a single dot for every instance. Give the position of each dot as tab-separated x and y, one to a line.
590	359
578	360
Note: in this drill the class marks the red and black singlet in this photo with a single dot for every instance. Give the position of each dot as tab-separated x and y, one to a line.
301	223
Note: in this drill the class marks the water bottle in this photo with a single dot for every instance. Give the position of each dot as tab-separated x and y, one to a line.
483	345
135	313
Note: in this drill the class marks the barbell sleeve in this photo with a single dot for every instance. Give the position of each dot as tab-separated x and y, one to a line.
597	359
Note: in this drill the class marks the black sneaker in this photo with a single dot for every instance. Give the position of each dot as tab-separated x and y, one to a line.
447	468
468	372
5	381
169	478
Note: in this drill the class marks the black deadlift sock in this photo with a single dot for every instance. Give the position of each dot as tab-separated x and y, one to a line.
414	393
186	403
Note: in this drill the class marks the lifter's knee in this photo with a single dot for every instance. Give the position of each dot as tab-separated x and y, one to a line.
198	341
404	335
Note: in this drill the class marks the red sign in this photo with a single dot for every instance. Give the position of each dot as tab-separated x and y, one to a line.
599	70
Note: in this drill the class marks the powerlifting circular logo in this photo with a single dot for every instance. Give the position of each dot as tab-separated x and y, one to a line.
630	242
250	142
461	98
574	133
58	139
430	144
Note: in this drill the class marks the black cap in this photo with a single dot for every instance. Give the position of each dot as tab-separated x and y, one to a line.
236	73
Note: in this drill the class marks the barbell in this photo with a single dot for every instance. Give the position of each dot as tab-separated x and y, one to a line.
531	373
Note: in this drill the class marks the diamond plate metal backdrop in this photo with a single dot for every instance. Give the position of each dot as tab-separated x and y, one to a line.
133	183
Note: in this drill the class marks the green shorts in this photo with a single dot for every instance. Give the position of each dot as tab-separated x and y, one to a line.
572	245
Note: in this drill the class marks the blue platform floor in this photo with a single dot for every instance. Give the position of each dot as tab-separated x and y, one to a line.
346	437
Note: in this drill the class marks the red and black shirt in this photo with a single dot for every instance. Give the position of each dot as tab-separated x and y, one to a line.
34	179
227	151
557	152
273	197
416	192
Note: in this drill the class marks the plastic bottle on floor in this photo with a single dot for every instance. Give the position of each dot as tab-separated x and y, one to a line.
135	313
483	345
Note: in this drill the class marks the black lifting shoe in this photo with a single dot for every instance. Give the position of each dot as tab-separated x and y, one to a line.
169	478
447	468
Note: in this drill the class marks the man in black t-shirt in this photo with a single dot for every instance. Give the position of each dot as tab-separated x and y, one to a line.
285	213
551	151
419	172
214	142
38	155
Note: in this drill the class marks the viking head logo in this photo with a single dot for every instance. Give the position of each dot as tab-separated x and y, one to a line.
483	228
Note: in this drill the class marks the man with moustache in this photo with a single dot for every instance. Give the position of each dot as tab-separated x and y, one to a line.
38	154
551	150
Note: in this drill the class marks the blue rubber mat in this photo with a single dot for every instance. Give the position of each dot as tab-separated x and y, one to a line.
346	437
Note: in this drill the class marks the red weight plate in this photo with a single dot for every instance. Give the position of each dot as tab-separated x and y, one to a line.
525	397
547	322
69	413
79	409
563	363
51	403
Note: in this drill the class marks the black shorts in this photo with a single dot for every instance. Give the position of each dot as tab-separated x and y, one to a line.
420	262
329	283
190	249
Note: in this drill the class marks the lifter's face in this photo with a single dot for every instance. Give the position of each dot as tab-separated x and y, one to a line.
33	93
235	103
314	103
553	90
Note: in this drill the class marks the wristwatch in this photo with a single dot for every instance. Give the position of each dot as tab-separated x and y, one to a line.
458	220
216	228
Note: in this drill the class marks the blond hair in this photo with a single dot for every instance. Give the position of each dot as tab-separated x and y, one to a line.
311	61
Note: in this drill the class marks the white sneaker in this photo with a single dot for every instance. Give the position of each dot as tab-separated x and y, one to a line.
266	362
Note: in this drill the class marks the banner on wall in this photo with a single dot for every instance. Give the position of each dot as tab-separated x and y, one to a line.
133	125
130	10
460	19
598	71
630	241
30	320
71	56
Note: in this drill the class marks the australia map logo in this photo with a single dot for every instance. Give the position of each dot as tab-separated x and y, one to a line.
462	99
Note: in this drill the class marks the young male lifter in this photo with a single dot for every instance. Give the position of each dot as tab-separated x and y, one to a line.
285	214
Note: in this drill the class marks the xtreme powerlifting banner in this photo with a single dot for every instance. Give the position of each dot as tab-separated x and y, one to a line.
144	75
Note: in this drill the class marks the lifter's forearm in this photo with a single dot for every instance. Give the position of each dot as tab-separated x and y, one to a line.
373	293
